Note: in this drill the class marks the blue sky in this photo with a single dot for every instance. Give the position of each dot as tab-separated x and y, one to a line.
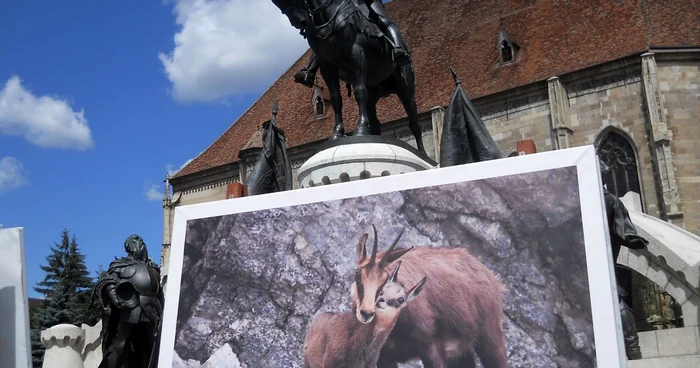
98	99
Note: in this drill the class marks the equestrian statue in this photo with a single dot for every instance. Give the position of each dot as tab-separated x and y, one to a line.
357	42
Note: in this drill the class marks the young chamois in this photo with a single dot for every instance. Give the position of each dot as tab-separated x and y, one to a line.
338	340
459	316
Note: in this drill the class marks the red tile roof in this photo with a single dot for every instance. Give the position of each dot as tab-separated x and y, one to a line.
555	37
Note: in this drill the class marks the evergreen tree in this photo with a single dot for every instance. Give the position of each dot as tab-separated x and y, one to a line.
55	269
67	287
80	282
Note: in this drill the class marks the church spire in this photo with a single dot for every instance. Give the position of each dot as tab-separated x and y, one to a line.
166	193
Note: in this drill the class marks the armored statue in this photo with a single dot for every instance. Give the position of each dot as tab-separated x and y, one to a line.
132	300
377	13
622	233
357	42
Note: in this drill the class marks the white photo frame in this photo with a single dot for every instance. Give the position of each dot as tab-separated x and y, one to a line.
609	347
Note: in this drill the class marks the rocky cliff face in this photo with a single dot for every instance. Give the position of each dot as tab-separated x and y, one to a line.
255	280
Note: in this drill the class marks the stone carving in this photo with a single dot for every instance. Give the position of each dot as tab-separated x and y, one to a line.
357	42
465	138
660	138
65	340
559	113
92	352
64	344
272	171
132	297
531	238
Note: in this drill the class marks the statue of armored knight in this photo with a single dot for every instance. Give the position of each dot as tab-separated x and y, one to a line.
132	299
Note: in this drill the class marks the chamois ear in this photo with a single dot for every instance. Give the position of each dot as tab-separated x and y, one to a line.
395	272
416	290
361	249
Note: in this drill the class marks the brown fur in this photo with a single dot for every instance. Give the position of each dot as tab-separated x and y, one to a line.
461	311
338	340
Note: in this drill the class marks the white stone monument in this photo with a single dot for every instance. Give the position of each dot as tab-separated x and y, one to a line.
15	348
64	345
356	158
72	346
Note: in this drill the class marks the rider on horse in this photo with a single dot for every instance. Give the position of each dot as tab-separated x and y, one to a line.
307	75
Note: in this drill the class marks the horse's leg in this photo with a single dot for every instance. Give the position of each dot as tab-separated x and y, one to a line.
330	76
361	93
375	127
406	92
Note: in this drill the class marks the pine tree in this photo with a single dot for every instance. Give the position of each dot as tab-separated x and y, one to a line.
55	269
67	286
80	282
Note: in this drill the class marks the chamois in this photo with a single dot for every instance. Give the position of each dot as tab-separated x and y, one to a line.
460	315
338	340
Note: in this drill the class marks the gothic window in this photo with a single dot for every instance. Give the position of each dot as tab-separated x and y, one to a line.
319	105
506	52
618	154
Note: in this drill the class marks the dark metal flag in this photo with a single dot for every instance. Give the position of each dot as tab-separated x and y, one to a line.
273	171
465	138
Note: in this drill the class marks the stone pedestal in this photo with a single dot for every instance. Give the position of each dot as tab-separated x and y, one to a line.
64	344
355	158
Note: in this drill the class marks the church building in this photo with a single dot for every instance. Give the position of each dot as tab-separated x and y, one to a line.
621	75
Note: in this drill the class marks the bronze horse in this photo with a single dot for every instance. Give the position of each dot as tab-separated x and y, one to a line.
350	46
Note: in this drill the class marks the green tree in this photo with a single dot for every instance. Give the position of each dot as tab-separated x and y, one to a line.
67	288
80	283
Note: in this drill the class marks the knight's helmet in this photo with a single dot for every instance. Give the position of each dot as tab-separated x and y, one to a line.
135	246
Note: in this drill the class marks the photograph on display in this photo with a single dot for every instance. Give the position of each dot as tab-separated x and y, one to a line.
491	270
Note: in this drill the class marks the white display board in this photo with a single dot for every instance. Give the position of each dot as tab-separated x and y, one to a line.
245	273
15	347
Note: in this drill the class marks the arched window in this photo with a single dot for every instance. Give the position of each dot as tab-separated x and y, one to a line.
319	105
506	52
617	153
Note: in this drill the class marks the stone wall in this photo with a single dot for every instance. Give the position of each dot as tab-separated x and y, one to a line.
678	82
511	119
619	107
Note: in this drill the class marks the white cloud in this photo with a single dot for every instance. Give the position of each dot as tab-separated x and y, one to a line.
170	168
229	47
12	174
153	193
45	121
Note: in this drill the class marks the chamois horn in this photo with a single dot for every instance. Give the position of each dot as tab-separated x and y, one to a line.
373	258
392	255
